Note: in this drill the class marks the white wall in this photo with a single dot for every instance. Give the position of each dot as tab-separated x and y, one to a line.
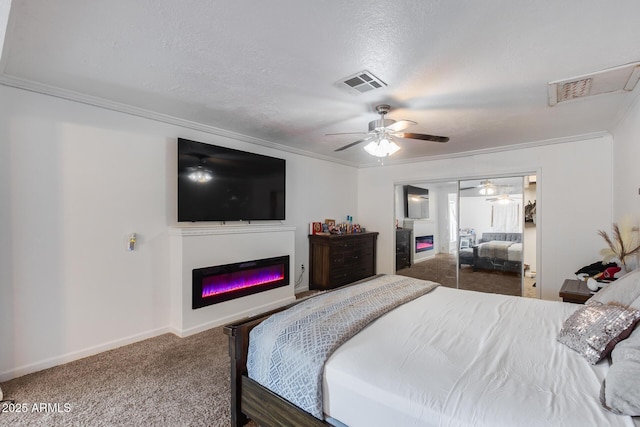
475	213
75	180
574	200
626	170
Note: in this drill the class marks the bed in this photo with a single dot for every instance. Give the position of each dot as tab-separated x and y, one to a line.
498	251
447	357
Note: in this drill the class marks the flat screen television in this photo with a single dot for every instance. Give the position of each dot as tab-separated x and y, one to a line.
223	184
416	202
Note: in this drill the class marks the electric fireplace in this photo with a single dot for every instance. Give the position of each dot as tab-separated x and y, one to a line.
424	243
211	285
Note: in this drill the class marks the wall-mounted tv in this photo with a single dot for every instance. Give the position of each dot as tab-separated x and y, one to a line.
416	202
223	184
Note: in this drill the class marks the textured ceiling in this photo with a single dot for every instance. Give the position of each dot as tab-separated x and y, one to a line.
474	71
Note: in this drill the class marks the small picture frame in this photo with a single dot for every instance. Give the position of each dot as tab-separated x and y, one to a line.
330	222
316	227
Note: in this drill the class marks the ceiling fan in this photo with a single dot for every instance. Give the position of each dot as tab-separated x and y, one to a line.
503	198
486	187
382	132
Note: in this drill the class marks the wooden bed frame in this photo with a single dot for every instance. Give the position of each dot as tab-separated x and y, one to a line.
249	399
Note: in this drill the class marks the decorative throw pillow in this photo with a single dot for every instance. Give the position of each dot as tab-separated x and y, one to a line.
620	392
594	329
623	291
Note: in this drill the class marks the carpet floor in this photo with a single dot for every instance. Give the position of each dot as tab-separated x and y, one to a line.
443	268
162	381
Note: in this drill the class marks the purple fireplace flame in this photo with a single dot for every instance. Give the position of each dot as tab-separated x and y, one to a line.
424	243
215	285
220	283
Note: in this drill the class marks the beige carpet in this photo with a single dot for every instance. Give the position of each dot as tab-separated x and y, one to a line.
443	268
163	381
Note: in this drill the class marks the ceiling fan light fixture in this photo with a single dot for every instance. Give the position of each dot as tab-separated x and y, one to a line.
488	188
382	147
200	175
381	132
487	191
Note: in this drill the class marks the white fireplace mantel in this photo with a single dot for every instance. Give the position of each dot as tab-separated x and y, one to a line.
192	230
198	247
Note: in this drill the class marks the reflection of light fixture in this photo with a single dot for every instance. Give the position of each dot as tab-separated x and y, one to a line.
200	175
488	188
503	199
382	146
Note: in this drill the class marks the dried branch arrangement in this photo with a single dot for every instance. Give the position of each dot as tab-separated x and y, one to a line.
625	242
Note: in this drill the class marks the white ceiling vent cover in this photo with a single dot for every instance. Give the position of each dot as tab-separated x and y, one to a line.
623	78
361	82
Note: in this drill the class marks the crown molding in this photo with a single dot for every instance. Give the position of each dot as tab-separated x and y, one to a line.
493	150
94	101
106	104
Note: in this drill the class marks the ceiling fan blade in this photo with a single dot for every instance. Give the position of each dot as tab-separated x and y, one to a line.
352	144
424	137
400	125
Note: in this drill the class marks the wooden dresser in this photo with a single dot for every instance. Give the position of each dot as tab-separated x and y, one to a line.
336	260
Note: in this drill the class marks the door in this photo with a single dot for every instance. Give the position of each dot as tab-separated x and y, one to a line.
491	235
461	212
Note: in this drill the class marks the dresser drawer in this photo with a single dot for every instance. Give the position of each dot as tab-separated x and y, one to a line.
349	246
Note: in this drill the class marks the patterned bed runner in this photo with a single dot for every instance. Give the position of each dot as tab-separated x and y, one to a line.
287	351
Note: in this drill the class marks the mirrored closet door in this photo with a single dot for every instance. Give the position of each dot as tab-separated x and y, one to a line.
490	254
475	234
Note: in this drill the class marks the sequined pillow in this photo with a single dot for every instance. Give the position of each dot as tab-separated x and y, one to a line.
594	329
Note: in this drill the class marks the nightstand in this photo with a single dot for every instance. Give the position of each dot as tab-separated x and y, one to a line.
575	291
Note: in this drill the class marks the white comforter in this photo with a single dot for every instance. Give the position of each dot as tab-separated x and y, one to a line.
461	358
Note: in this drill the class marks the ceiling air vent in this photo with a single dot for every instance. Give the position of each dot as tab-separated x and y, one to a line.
623	78
361	82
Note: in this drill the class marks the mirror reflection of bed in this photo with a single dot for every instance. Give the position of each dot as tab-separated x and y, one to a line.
485	237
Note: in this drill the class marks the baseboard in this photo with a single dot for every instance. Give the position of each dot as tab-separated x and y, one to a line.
70	357
75	355
253	311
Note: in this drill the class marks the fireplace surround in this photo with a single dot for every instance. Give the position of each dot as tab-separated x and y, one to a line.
194	247
424	243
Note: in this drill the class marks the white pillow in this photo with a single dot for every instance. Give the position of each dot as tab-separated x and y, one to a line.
620	392
624	291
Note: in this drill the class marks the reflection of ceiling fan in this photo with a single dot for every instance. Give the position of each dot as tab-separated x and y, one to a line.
382	132
485	188
200	173
503	198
